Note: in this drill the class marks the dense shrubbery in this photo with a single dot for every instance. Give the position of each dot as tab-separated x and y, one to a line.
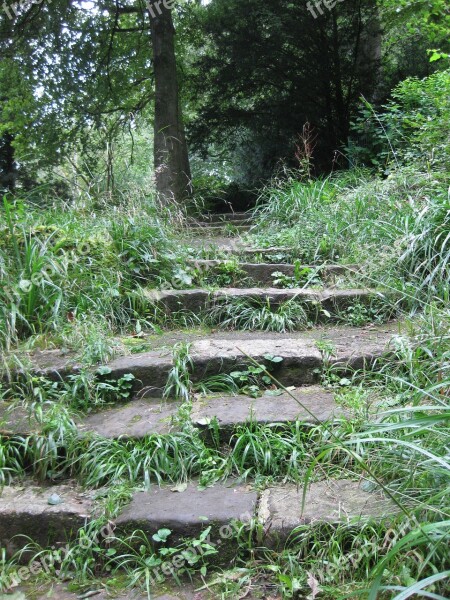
413	128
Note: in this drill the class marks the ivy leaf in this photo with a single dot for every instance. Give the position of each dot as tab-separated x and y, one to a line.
162	535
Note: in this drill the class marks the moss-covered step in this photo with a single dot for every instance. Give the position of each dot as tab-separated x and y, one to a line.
187	510
226	217
135	419
262	274
343	348
147	416
310	404
49	515
213	229
282	510
331	300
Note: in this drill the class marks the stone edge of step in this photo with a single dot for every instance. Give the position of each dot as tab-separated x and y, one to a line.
142	417
214	355
188	510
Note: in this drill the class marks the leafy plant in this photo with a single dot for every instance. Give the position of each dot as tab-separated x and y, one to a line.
253	378
179	383
303	276
257	315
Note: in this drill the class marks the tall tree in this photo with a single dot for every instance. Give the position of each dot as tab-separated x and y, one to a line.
172	170
100	68
267	68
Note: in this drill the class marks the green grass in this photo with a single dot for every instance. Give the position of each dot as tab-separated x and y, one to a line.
257	315
76	274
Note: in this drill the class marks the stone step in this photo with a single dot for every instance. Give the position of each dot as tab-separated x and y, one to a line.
189	512
186	511
147	416
226	217
101	590
216	229
262	273
311	404
135	419
331	300
281	508
225	506
16	420
144	417
348	348
245	250
301	362
25	510
236	247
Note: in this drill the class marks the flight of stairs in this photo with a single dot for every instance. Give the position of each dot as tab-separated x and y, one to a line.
301	361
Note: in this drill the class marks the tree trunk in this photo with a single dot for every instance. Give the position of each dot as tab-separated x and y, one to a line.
372	55
172	172
341	109
8	167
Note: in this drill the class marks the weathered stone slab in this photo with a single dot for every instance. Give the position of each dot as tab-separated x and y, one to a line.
264	251
24	510
335	301
226	217
197	300
135	419
16	420
232	411
262	273
189	512
356	349
150	370
180	300
216	228
52	364
332	501
301	362
168	590
349	347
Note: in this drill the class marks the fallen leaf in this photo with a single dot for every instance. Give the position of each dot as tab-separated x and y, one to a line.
181	487
314	585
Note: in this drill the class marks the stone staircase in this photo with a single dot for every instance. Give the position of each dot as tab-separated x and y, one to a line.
300	364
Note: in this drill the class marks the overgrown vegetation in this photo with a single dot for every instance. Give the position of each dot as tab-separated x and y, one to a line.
76	260
80	275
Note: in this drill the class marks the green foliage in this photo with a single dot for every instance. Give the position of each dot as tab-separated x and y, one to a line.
395	228
413	127
143	248
179	383
74	275
259	315
302	216
303	277
227	273
252	379
427	15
